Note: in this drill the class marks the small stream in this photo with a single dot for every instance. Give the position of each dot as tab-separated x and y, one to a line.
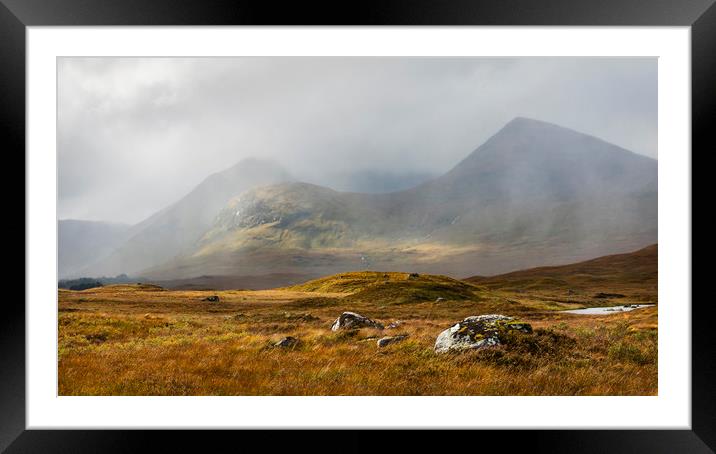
607	310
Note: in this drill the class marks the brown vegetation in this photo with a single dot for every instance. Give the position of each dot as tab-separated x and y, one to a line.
634	273
142	340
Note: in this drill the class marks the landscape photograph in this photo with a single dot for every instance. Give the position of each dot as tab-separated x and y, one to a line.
365	226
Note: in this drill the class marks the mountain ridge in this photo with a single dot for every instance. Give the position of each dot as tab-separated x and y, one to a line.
532	189
173	229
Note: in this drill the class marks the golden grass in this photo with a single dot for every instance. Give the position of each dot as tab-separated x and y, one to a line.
132	340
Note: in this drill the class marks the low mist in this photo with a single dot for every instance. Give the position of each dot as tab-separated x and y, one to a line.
137	134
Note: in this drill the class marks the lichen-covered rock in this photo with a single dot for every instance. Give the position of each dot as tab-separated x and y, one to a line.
287	341
384	341
477	331
351	320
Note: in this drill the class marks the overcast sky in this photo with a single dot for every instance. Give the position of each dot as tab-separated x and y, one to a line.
136	134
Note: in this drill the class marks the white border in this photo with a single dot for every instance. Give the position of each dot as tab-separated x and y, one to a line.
670	409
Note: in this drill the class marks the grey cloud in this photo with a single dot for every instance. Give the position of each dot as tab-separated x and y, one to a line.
134	134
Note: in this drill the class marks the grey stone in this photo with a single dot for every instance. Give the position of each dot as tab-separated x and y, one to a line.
384	341
351	320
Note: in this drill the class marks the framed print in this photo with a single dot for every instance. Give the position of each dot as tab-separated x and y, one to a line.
464	216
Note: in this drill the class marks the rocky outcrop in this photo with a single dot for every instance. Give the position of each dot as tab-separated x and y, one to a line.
351	320
478	331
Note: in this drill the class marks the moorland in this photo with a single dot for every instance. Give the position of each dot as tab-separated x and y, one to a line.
143	339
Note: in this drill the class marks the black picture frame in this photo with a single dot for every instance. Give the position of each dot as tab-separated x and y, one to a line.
16	15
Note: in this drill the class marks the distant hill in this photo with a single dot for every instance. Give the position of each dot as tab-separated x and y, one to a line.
82	243
635	270
359	280
533	194
176	228
379	287
90	282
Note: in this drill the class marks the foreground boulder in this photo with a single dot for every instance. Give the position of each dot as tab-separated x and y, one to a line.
477	331
351	320
385	341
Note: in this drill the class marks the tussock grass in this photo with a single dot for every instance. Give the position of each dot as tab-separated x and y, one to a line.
138	341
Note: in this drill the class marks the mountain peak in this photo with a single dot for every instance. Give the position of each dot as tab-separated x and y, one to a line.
525	120
533	189
525	123
523	135
533	157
